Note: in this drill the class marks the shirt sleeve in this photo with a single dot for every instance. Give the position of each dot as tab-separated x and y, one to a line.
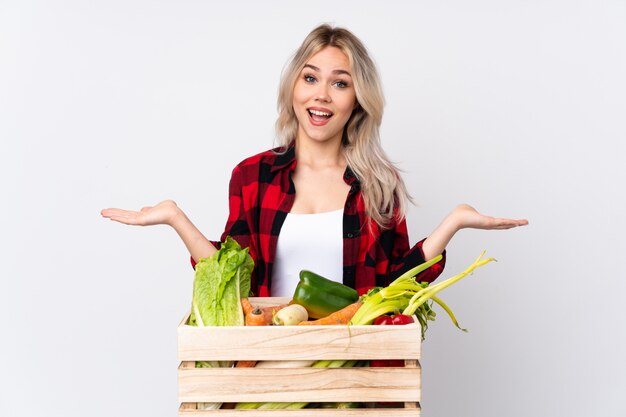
404	258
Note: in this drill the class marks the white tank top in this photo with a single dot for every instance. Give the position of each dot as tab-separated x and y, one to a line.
308	241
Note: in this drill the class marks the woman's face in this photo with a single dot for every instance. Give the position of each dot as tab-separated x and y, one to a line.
324	96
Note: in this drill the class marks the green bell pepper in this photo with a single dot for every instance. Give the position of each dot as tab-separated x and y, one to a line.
321	296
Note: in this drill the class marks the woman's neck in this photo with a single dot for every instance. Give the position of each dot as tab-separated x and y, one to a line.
320	154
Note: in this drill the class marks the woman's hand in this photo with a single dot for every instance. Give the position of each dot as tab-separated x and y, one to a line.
466	217
463	217
162	213
168	213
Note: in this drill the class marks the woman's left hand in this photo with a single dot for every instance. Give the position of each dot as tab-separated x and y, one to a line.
463	217
466	217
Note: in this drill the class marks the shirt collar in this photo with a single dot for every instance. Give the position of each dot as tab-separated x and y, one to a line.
350	178
284	160
288	160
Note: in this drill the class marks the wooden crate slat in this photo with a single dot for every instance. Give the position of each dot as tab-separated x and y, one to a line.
310	412
275	343
298	342
299	384
187	365
269	301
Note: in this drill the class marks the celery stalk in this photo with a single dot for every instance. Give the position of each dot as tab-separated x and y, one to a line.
419	268
247	406
447	310
407	295
389	306
429	292
281	406
419	302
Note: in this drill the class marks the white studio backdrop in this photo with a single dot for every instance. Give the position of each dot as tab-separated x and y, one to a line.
514	107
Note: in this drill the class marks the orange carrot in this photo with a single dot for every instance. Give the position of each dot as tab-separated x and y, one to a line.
257	318
251	320
342	316
246	305
245	364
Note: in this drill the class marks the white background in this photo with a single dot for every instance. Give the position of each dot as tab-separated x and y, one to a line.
515	107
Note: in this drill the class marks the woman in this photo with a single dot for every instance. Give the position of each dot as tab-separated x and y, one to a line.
347	219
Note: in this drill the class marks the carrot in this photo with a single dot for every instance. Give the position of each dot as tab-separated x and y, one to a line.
245	364
257	318
253	318
246	305
342	316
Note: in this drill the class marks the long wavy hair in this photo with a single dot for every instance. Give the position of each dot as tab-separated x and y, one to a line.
384	193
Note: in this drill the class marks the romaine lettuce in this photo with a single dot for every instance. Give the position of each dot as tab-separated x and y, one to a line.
221	281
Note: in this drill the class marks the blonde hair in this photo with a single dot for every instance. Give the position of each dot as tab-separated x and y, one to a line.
384	193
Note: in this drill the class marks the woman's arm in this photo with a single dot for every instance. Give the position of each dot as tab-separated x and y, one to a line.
168	213
463	217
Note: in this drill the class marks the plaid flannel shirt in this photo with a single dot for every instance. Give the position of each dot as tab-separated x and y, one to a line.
261	194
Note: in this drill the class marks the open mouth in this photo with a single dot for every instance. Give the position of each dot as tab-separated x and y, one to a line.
319	117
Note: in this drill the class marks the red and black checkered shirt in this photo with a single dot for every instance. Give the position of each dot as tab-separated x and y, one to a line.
261	195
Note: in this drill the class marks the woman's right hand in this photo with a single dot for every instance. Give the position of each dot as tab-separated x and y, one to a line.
162	213
166	212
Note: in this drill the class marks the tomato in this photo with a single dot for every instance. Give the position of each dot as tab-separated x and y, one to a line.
383	320
401	319
398	319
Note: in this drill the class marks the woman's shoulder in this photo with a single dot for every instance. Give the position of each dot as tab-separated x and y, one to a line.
267	159
261	157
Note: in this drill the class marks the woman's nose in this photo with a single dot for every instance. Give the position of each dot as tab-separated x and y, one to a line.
322	93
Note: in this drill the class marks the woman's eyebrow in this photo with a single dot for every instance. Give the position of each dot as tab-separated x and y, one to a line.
337	71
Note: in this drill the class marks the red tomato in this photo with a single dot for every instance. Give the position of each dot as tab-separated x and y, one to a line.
386	320
379	363
383	320
401	319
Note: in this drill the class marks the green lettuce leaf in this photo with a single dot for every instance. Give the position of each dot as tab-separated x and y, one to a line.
221	281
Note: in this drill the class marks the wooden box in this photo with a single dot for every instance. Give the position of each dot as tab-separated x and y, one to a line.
313	385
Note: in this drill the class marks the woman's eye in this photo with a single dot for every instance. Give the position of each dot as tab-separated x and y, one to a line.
341	84
309	78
